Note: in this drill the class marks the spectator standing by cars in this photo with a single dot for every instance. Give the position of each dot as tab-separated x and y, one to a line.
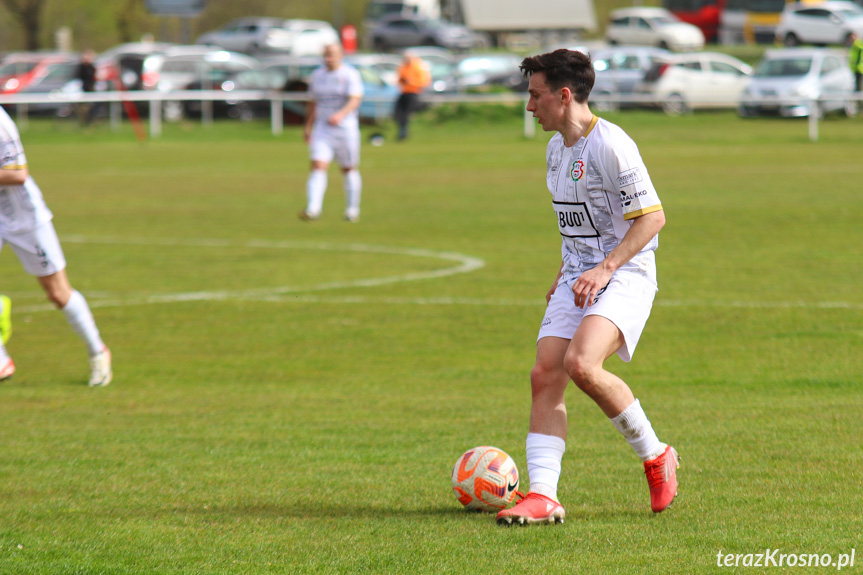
332	131
855	57
414	76
87	75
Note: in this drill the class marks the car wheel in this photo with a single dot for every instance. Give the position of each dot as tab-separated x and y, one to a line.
664	45
791	39
674	105
851	108
849	40
379	45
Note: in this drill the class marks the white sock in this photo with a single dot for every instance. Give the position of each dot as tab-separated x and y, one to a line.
80	317
544	456
633	424
316	187
4	355
353	192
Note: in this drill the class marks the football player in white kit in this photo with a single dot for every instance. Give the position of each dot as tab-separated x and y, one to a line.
25	224
332	131
608	214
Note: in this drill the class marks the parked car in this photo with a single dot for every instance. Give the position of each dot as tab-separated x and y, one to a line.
480	71
385	65
265	80
648	26
696	80
122	66
52	80
21	69
179	66
402	32
256	35
786	82
619	70
824	23
294	68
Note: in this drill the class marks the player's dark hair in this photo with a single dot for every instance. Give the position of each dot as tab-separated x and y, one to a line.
563	68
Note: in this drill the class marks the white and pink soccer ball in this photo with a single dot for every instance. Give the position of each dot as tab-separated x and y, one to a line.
485	478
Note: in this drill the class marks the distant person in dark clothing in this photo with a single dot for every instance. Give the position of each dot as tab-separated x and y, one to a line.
414	76
87	75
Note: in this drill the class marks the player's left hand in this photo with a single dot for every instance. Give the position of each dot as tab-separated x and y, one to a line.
589	284
335	119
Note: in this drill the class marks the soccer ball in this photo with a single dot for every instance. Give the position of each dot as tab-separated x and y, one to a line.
485	479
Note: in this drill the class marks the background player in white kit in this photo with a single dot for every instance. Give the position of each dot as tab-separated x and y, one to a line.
332	131
608	215
25	224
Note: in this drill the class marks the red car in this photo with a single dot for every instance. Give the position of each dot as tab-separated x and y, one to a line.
20	69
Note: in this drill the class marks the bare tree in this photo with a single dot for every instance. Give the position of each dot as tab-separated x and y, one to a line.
29	15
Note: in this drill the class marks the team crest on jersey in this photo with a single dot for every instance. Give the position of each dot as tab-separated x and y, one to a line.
577	171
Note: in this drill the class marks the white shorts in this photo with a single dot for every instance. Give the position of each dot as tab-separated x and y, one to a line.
38	250
626	302
335	142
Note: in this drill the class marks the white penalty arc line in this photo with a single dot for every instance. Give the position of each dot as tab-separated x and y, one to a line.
465	264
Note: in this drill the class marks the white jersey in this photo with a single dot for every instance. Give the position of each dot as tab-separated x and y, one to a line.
22	208
331	89
598	186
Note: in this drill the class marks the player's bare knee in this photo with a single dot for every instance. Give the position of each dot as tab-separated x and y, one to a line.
580	371
58	297
545	381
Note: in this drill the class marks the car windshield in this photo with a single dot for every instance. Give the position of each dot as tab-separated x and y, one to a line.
850	12
784	67
15	68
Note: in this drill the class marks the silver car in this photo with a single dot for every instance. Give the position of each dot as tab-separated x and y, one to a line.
649	26
787	83
824	23
619	70
256	35
404	32
180	66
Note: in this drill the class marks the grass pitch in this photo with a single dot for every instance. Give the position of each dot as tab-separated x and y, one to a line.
290	397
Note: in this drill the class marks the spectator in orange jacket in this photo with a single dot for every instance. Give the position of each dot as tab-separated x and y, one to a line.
414	76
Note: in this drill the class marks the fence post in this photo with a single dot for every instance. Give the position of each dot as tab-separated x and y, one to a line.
155	117
277	121
814	112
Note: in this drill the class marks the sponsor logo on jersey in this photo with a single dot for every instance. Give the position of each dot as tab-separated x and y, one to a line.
629	177
626	199
577	171
573	220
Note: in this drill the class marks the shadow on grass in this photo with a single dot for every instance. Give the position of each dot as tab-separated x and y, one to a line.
320	511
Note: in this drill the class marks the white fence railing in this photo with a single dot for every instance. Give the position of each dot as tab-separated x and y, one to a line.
382	107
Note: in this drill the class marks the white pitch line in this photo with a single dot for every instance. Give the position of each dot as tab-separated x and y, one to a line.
466	264
301	294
